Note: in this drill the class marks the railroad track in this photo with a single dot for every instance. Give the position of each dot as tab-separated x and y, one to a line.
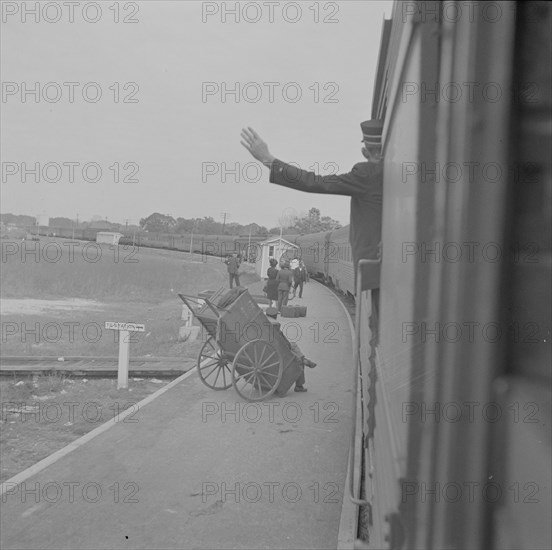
103	367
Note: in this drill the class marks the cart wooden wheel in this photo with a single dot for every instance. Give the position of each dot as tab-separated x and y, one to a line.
257	370
213	366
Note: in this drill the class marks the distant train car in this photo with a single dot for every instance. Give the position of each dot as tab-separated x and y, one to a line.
210	245
89	234
327	255
313	250
340	261
78	233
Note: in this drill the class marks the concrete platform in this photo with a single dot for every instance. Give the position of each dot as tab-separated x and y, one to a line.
195	468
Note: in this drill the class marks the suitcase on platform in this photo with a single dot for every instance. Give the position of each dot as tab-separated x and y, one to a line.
301	311
289	311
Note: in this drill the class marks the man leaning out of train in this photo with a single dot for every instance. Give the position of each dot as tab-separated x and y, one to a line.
363	184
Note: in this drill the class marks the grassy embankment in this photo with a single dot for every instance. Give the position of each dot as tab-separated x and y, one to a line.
125	283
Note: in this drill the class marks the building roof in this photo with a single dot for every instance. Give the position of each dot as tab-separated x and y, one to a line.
277	239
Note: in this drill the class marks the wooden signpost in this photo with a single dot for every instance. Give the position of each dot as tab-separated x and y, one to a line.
124	348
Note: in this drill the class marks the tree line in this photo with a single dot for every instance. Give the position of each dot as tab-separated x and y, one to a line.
311	222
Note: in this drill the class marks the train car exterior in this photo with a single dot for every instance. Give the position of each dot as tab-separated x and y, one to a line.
314	252
340	261
461	351
328	255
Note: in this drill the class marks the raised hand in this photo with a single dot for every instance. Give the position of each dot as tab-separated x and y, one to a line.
256	146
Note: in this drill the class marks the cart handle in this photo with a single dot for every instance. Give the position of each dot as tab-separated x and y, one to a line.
356	364
194	299
185	298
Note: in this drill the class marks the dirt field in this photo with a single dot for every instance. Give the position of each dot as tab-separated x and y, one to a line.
40	415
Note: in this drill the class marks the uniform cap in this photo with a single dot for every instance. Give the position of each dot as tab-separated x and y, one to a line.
372	131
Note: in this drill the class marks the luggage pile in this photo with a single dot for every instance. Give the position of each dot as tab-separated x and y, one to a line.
294	311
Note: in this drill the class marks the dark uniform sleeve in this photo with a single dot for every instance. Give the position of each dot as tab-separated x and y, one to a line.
354	183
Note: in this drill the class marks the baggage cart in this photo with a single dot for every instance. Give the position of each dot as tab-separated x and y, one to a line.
244	348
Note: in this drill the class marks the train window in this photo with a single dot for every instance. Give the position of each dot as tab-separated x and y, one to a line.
271	251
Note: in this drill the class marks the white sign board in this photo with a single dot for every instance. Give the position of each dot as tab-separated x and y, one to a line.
131	327
124	348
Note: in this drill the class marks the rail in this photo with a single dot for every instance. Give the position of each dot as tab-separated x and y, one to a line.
356	364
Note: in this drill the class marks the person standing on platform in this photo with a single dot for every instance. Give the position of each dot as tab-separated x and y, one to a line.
233	265
364	184
298	280
272	283
285	280
305	272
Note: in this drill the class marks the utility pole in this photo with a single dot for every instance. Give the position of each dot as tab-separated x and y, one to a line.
224	216
192	241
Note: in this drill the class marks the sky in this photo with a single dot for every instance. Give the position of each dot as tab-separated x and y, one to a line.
130	108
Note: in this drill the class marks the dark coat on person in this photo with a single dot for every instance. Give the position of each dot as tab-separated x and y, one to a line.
272	284
233	264
284	278
364	184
